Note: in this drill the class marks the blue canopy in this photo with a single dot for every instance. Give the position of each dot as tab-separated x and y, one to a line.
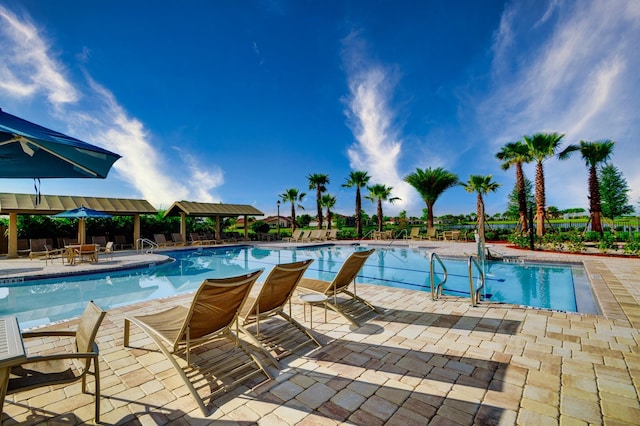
28	150
82	212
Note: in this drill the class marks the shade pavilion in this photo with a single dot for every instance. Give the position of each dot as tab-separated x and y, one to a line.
25	204
216	210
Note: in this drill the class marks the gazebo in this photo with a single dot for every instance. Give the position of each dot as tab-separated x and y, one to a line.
15	204
217	210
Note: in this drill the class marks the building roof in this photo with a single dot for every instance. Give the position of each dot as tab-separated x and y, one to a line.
52	204
192	208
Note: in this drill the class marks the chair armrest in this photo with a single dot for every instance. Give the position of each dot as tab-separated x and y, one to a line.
54	357
30	334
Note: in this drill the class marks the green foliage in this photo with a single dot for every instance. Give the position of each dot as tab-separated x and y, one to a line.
633	247
607	242
260	226
554	240
512	205
614	193
518	239
303	220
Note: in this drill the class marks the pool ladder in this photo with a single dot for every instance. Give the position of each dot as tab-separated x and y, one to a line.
475	293
141	242
436	290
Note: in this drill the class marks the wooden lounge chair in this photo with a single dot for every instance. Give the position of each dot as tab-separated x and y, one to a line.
162	241
54	367
317	235
432	234
41	250
274	296
86	252
216	366
352	308
178	239
197	240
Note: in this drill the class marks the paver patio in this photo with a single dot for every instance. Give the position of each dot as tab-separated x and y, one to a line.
421	362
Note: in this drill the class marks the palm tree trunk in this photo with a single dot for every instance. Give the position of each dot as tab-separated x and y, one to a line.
429	214
540	199
480	217
522	197
594	200
380	220
293	217
358	214
328	218
318	196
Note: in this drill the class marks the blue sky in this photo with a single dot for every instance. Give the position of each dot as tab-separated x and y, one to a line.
235	102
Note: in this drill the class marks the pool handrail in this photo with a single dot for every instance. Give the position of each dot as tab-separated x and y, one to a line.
140	242
436	292
475	293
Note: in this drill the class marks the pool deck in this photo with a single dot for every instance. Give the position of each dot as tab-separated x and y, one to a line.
420	362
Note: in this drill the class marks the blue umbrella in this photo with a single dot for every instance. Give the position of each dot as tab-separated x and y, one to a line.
28	150
82	213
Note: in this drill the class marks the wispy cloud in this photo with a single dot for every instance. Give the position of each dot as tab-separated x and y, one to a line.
372	120
28	69
572	70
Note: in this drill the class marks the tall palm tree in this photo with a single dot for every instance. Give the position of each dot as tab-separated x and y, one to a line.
318	182
593	153
379	193
541	146
514	154
293	196
430	184
481	185
359	179
328	201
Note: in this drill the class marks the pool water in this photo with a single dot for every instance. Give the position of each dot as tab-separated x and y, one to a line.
37	302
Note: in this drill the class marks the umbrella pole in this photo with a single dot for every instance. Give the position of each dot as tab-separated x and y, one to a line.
81	231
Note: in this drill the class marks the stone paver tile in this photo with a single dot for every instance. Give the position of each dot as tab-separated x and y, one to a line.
452	412
528	417
316	395
361	417
286	390
379	407
580	409
348	399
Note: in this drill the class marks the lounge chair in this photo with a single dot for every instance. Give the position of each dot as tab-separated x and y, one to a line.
178	239
181	330
332	234
432	234
317	235
100	241
162	241
85	252
41	250
295	236
353	308
107	250
415	234
121	242
196	240
54	367
274	296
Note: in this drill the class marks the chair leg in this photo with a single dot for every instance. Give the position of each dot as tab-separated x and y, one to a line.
127	326
97	378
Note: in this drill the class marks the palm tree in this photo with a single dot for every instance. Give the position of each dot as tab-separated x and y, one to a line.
593	153
358	179
430	184
380	193
541	146
328	201
293	196
318	182
514	154
481	185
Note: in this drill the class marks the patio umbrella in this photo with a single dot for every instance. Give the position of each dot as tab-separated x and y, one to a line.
81	213
28	150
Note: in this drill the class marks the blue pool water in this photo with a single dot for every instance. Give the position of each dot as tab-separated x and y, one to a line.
38	302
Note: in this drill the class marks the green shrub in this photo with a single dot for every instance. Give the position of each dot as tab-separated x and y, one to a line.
260	226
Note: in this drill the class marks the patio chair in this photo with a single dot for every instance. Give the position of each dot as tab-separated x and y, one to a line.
332	235
41	250
54	367
317	235
86	252
178	239
432	234
161	241
121	242
107	250
200	335
295	236
274	296
100	240
354	307
415	234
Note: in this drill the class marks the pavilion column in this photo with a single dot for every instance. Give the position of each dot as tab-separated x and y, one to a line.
136	229
246	227
13	235
183	225
218	234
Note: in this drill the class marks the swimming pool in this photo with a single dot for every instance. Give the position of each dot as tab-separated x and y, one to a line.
37	302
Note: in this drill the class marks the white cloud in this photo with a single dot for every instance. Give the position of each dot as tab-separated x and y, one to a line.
27	67
28	70
378	147
574	74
